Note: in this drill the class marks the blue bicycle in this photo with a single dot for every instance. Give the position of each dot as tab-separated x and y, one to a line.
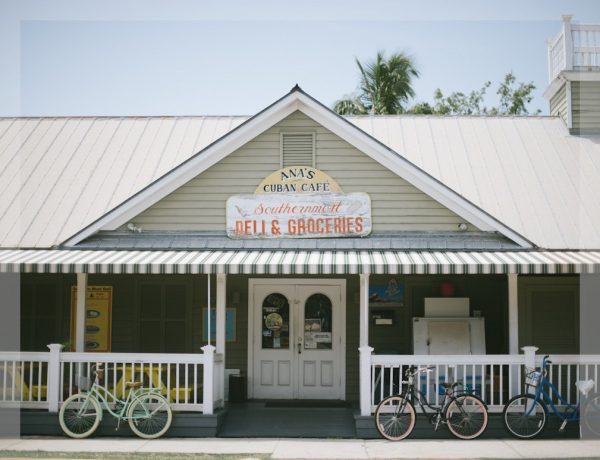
525	415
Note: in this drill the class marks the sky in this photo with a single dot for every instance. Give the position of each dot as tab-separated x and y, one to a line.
226	57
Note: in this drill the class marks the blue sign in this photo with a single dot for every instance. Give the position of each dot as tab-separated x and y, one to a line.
229	324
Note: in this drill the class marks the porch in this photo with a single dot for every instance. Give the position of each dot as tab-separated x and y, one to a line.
195	383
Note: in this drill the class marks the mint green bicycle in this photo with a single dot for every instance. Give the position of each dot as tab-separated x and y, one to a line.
145	409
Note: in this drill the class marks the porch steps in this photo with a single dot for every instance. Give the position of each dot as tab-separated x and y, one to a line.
261	420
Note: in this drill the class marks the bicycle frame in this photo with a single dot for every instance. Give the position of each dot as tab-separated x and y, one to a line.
571	412
97	390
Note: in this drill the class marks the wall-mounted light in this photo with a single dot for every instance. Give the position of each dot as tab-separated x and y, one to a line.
462	226
134	228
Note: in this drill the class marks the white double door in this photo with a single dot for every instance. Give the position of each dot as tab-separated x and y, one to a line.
297	335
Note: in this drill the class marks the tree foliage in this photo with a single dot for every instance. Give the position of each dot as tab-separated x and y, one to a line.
385	86
513	100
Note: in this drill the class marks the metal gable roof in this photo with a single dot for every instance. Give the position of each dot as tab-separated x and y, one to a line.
61	174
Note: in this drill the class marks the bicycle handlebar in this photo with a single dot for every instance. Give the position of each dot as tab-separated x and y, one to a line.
413	370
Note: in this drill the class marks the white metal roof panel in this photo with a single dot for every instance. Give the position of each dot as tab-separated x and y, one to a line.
60	174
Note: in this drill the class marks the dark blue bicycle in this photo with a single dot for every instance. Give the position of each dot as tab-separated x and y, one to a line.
525	415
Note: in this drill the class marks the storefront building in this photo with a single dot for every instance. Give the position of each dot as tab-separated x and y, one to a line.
327	251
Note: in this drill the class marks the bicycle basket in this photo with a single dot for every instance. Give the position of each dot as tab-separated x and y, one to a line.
532	378
84	383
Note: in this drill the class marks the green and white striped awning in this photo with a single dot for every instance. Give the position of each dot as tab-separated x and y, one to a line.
295	262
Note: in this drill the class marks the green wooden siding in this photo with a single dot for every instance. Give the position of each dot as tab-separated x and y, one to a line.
200	204
585	100
549	313
147	312
558	103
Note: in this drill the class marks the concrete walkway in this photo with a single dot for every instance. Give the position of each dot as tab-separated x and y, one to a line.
319	448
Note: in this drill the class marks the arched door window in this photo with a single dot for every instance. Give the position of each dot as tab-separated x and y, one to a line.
318	323
275	322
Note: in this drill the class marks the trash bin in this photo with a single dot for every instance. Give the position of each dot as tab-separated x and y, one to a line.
237	388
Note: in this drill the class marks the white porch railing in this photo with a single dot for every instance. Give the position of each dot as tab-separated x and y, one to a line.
44	380
495	378
576	47
23	380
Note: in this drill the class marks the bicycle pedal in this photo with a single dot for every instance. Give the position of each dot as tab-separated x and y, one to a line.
562	426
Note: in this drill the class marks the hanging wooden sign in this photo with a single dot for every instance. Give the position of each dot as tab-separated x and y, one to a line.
308	215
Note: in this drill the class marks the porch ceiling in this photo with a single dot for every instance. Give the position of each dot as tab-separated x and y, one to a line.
281	262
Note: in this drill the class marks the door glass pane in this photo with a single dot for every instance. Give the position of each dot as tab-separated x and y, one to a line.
275	322
317	323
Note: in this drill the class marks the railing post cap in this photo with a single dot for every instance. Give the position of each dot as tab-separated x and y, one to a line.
366	349
529	348
55	346
566	17
208	348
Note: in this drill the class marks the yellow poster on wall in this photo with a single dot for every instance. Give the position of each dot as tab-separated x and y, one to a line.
98	324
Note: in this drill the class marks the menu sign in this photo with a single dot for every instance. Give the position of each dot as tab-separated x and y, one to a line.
98	310
298	202
333	215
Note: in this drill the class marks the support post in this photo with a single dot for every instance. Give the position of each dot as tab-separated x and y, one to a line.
221	302
568	41
530	361
54	384
364	349
365	380
208	400
513	314
364	309
82	281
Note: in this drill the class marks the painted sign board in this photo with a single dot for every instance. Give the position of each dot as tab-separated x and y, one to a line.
98	311
298	179
306	215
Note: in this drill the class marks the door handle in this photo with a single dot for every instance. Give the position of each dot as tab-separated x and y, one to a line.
299	348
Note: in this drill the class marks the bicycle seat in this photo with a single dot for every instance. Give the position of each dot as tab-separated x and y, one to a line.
133	384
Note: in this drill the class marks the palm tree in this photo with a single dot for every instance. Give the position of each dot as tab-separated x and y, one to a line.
385	86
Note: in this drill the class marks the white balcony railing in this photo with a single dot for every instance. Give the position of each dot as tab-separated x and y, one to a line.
576	47
44	380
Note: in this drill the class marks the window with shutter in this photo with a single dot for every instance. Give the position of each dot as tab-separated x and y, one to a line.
297	149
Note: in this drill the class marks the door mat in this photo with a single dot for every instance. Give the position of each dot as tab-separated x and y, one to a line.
302	403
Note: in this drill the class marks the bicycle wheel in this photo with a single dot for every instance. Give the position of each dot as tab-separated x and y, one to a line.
591	416
80	415
467	417
524	416
395	418
150	416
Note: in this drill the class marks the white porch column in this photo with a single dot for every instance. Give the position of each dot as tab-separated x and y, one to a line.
221	303
54	383
208	399
364	309
82	279
513	314
364	349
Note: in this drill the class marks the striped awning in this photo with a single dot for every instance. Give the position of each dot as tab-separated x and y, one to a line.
294	262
